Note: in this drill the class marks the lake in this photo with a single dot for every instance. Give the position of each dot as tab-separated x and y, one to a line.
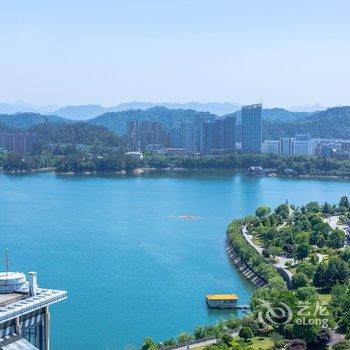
131	267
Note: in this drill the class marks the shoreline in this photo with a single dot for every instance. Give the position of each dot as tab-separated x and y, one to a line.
141	171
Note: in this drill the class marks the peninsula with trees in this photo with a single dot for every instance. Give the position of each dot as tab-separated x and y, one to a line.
303	254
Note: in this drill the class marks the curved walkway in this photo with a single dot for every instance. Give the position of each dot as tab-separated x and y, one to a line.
203	343
279	265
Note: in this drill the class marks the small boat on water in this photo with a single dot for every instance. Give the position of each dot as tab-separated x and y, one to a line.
186	217
222	301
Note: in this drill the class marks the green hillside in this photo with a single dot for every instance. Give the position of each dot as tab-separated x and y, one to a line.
27	120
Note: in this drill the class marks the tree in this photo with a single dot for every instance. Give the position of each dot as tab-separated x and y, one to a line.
337	271
306	294
313	207
246	333
320	278
342	345
302	238
336	239
199	333
226	339
149	344
307	331
296	344
299	280
345	255
184	338
283	211
266	253
302	251
323	337
278	340
233	323
262	212
307	268
344	202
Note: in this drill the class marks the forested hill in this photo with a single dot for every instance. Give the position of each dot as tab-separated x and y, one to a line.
331	123
116	121
27	120
278	115
77	133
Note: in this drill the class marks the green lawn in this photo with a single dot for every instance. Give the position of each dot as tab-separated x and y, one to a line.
325	298
258	343
261	343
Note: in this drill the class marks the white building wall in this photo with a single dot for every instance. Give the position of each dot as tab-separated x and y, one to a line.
270	146
303	148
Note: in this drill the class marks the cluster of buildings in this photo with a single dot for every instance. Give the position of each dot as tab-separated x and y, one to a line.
208	135
338	149
303	145
300	145
19	142
187	137
203	135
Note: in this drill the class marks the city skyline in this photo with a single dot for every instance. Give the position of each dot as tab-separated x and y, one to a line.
65	53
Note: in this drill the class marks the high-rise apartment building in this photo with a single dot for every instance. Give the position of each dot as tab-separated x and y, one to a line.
271	146
19	142
187	137
219	135
286	146
252	128
304	148
144	133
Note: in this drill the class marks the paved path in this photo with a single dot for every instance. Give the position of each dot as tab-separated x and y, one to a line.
203	343
250	238
333	223
281	263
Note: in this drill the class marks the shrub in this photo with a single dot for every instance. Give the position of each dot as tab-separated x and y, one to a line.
342	345
299	280
246	333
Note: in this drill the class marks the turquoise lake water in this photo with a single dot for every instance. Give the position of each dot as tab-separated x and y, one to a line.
131	267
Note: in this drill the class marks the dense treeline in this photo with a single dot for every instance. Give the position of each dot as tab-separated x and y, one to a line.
313	166
107	162
249	254
55	135
101	158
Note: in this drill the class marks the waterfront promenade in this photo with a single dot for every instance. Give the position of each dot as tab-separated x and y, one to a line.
280	264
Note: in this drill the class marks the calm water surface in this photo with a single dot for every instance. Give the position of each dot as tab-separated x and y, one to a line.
131	268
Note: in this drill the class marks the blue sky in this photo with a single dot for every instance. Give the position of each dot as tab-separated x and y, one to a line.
107	52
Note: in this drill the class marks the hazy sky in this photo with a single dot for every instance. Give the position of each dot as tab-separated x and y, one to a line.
288	52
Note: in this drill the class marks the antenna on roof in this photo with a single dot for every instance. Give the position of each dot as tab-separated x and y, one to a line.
6	261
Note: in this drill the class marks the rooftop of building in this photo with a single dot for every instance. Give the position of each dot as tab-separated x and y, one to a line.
19	296
9	298
257	105
222	297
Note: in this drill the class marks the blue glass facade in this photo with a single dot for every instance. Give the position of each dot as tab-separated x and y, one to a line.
252	128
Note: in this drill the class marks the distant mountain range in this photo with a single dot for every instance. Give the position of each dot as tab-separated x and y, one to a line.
277	122
85	112
90	111
24	107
